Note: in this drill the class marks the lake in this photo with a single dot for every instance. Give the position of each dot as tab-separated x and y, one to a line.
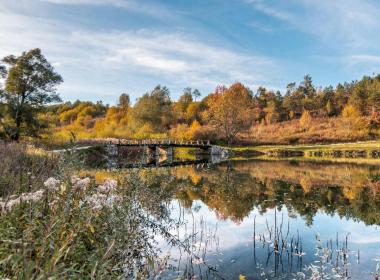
269	220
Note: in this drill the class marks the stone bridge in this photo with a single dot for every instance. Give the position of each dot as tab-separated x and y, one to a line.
166	146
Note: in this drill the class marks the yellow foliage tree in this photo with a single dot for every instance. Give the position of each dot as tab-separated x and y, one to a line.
351	117
194	129
230	110
305	120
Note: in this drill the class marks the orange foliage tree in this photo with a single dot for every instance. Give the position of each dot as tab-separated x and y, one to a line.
230	110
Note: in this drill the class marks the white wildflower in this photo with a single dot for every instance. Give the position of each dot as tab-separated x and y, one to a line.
24	197
108	186
34	197
12	203
52	184
81	184
96	201
74	179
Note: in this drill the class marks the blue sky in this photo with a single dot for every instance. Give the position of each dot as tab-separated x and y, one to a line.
105	47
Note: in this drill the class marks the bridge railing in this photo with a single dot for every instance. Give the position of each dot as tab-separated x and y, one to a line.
146	142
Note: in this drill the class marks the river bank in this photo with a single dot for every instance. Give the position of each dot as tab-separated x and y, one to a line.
365	151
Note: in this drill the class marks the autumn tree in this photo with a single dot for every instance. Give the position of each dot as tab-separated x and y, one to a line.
193	112
305	120
351	117
374	121
230	110
30	82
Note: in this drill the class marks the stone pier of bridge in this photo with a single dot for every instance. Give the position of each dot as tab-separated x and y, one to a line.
160	150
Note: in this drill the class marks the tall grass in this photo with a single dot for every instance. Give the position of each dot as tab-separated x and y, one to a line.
24	168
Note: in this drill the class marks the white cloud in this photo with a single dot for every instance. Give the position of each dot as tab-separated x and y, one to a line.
364	59
353	23
131	5
269	10
121	3
137	59
176	55
261	27
345	24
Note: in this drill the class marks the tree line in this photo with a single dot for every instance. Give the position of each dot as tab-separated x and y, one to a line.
29	87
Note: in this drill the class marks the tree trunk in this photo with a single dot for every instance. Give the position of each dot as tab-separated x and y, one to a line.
18	118
18	127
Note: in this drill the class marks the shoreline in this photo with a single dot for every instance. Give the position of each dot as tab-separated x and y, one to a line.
359	152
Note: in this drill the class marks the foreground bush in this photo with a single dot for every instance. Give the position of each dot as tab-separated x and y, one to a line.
72	228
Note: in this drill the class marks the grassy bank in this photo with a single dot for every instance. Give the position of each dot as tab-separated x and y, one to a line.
366	152
318	130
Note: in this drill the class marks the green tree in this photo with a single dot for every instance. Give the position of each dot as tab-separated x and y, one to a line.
374	100
30	82
2	105
293	104
153	110
185	99
308	91
306	87
324	102
196	94
358	97
124	102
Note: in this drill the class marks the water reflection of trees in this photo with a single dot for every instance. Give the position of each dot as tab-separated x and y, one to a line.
233	190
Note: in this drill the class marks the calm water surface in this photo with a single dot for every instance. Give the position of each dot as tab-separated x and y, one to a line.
270	220
275	220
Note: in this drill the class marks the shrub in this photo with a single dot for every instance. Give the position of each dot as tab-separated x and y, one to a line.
305	120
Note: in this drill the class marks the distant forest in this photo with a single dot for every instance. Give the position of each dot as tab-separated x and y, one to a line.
234	114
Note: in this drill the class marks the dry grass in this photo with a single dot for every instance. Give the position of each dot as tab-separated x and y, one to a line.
320	130
24	168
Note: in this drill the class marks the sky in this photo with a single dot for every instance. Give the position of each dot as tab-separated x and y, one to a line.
103	48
